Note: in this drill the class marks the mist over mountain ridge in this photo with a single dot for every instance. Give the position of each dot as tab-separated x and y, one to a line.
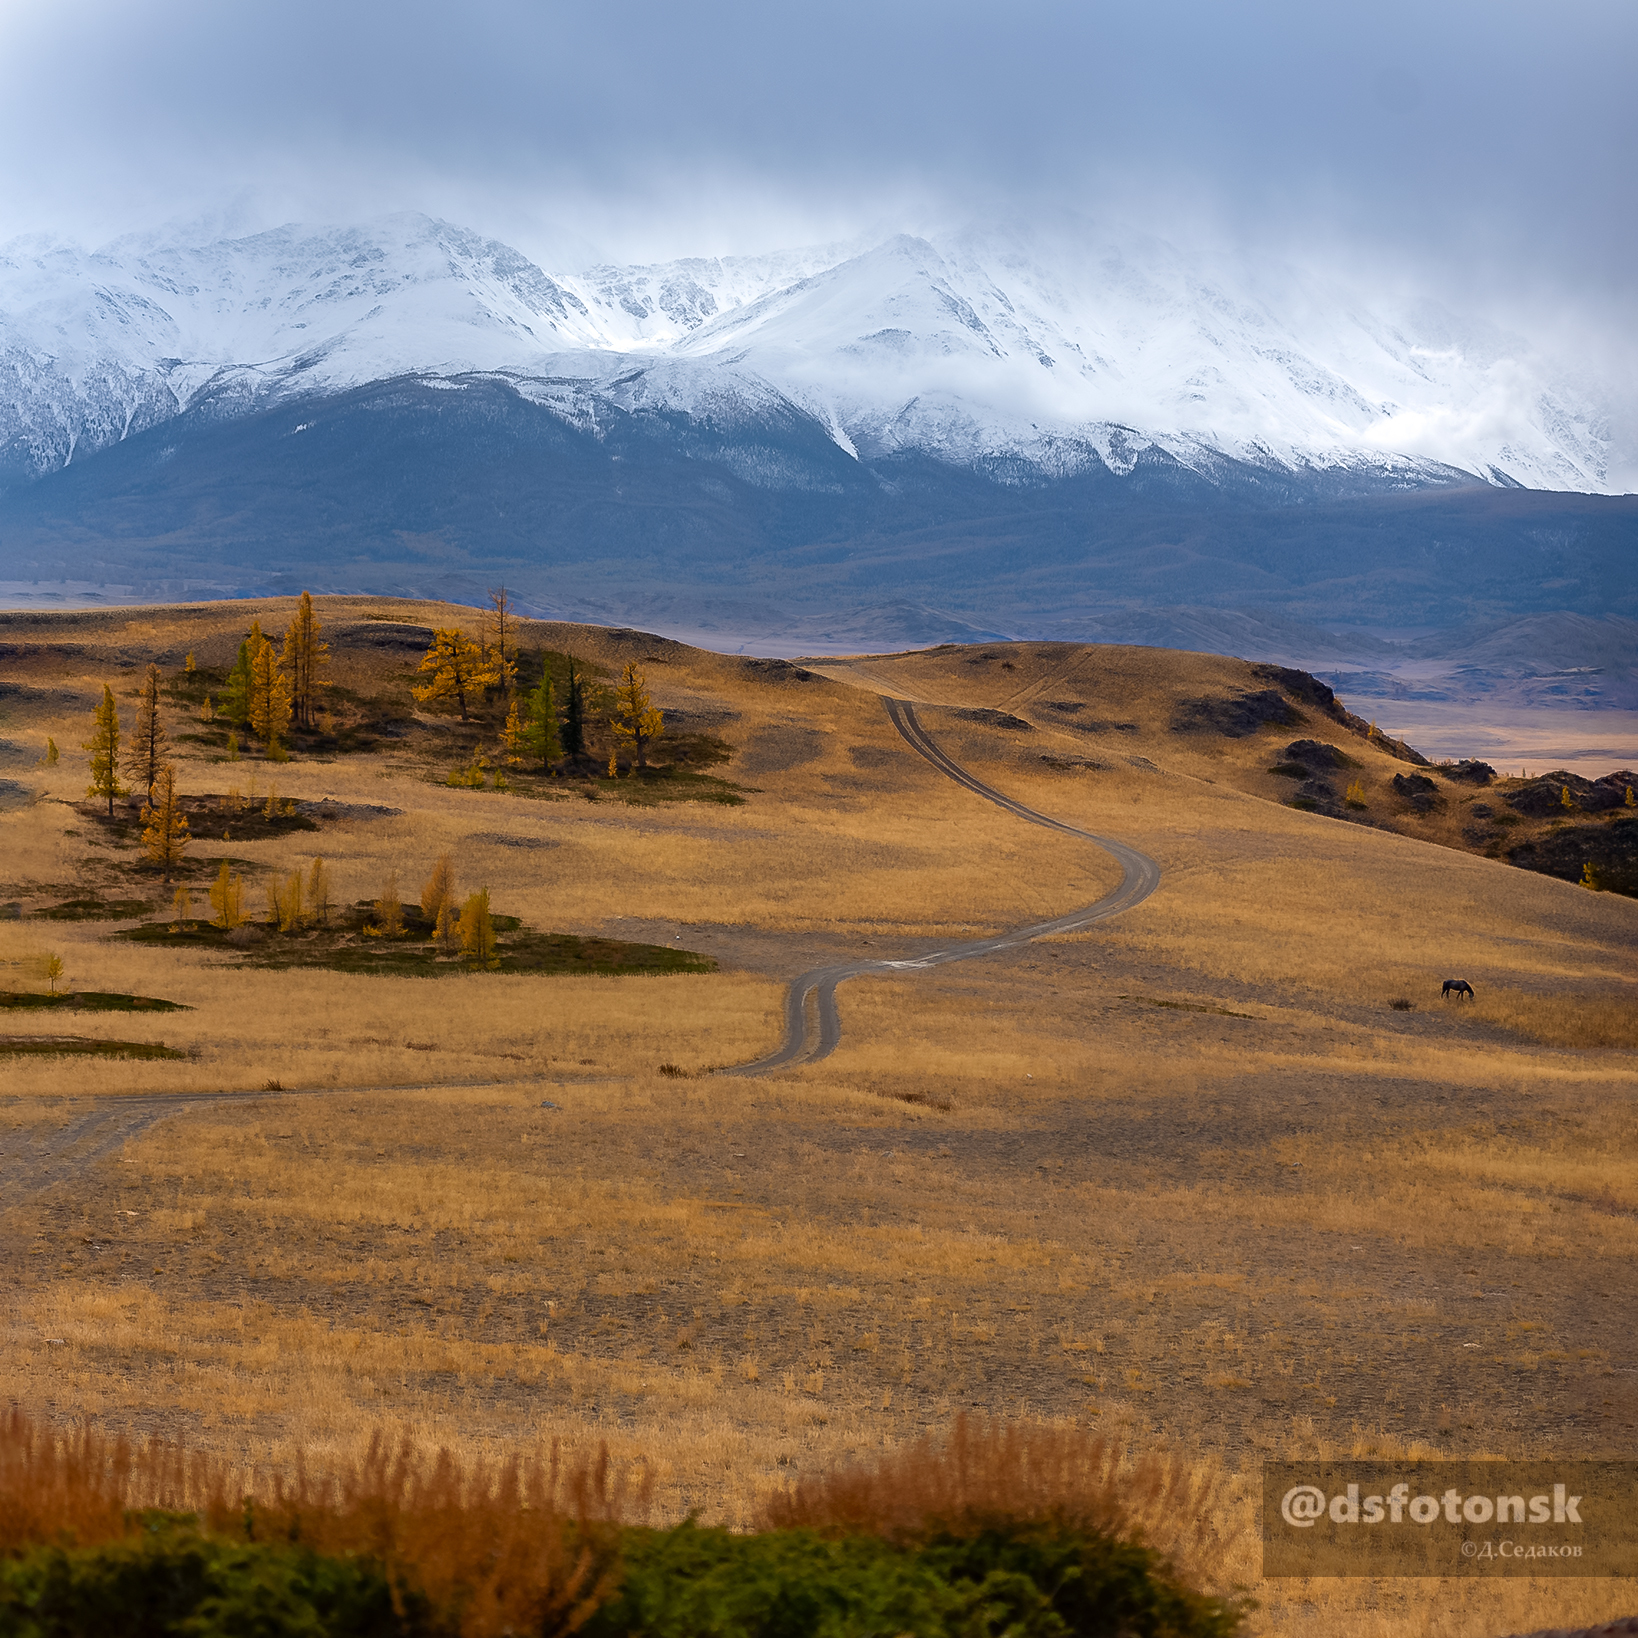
1045	351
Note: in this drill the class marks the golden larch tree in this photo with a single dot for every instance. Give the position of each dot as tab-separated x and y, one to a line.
637	721
318	892
145	755
164	825
303	655
182	903
226	898
389	910
455	669
478	931
515	735
290	908
104	748
269	701
439	888
504	657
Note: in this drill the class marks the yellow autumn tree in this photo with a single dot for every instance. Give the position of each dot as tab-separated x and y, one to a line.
455	669
226	898
145	755
389	910
164	825
303	654
269	701
290	906
515	735
637	721
478	931
439	889
504	656
318	893
104	748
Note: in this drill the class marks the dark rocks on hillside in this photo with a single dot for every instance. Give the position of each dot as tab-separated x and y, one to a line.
1313	753
778	671
996	719
1236	718
1418	790
1543	798
1470	772
1610	847
381	635
1066	706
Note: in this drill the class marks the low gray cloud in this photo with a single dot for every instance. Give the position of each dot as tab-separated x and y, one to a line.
1486	145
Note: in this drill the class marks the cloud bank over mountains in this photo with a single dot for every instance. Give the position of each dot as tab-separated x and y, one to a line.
1049	348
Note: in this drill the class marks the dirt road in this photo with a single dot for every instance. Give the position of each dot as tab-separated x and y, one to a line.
813	1026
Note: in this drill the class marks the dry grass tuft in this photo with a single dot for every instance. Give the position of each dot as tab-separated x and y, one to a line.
989	1472
527	1546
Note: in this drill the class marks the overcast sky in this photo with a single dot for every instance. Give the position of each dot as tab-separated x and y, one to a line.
1485	147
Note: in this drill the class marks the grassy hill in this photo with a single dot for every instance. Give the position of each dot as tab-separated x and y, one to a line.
1223	1173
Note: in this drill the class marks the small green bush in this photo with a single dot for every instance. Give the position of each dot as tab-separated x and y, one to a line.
1006	1581
172	1582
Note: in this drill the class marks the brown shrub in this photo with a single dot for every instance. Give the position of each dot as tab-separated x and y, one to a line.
528	1546
987	1473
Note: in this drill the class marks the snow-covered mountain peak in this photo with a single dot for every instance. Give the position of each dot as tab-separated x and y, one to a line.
1026	345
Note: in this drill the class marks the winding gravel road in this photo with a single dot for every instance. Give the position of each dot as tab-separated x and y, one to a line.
813	1027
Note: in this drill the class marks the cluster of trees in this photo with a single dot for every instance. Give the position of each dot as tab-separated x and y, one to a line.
266	692
144	761
543	726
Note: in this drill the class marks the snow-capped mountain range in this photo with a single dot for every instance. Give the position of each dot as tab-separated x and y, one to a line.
1016	349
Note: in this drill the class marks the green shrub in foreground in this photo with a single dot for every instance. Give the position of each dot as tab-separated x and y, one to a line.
1007	1581
172	1582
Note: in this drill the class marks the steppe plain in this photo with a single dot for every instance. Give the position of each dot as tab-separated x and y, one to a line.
1189	1176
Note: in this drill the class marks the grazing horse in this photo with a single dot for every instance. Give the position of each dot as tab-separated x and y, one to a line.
1460	986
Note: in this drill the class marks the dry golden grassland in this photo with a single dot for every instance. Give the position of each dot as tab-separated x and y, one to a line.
1189	1177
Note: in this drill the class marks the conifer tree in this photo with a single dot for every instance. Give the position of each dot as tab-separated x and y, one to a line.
455	669
52	753
226	898
188	665
301	658
448	928
145	755
637	721
614	764
389	911
1632	801
318	892
165	826
183	903
104	748
503	659
290	913
236	701
439	889
1566	799
478	931
269	701
515	735
574	715
540	736
54	970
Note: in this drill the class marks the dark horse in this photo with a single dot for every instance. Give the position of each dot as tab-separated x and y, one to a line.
1460	986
